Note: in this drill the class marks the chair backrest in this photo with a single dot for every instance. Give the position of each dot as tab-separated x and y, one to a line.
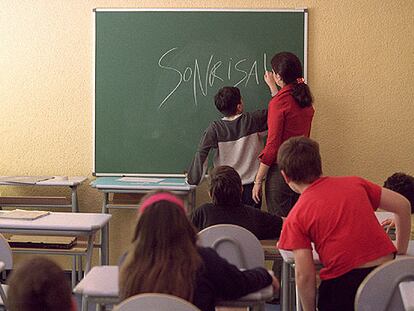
155	302
234	243
380	290
6	253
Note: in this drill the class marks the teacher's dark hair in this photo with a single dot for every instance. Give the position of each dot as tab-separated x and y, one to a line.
288	66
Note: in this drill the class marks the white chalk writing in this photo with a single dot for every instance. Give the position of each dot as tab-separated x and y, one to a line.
243	71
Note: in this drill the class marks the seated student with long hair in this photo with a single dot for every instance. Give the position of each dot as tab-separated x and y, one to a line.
39	284
164	258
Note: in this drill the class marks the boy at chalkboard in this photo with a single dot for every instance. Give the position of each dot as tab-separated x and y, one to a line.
237	139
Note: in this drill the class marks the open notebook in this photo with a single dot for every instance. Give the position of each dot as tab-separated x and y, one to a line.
23	214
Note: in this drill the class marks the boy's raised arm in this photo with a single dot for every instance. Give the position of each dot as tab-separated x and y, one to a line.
393	202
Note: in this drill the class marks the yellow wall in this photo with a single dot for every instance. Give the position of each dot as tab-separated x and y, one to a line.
361	65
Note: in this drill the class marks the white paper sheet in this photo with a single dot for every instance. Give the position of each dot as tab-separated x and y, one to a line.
141	179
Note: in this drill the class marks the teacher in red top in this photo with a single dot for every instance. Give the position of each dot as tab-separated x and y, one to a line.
290	114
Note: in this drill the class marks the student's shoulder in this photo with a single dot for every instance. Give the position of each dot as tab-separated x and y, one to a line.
204	207
283	99
217	126
253	211
344	180
260	113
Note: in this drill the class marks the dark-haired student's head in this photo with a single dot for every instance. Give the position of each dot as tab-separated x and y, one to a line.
403	184
300	160
289	68
163	256
39	284
228	101
225	186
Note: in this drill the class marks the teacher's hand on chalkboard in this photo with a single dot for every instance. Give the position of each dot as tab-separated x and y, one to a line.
270	81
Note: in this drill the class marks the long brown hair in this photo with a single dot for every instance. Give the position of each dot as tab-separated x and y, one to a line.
163	257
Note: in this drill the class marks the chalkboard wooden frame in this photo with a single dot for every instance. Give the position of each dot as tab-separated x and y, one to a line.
100	168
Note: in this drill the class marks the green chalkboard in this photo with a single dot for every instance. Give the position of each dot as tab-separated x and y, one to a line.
157	71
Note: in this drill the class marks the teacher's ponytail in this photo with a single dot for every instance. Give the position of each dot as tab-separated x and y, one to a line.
302	94
288	66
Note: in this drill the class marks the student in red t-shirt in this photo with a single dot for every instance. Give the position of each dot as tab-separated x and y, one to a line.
337	215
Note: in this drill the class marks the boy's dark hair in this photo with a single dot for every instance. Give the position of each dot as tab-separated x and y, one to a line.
227	99
403	184
288	66
225	186
299	158
38	284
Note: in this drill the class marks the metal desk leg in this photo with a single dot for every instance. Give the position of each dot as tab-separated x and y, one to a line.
298	304
104	260
292	287
89	253
285	287
75	208
84	303
193	199
80	268
104	249
73	275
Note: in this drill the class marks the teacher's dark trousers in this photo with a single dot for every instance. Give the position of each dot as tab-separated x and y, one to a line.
279	197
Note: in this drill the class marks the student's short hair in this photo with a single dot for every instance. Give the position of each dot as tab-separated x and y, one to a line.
300	159
38	284
403	184
225	186
227	99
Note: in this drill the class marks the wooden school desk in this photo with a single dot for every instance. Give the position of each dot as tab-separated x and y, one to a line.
42	201
108	185
100	286
62	224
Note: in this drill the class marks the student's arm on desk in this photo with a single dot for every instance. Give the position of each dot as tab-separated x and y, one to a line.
400	206
305	275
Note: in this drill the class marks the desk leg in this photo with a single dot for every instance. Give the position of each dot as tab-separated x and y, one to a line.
298	304
285	287
89	253
73	274
84	303
104	250
75	208
292	287
193	199
80	268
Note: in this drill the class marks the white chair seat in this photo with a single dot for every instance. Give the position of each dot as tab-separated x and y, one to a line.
380	291
241	248
155	302
238	245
